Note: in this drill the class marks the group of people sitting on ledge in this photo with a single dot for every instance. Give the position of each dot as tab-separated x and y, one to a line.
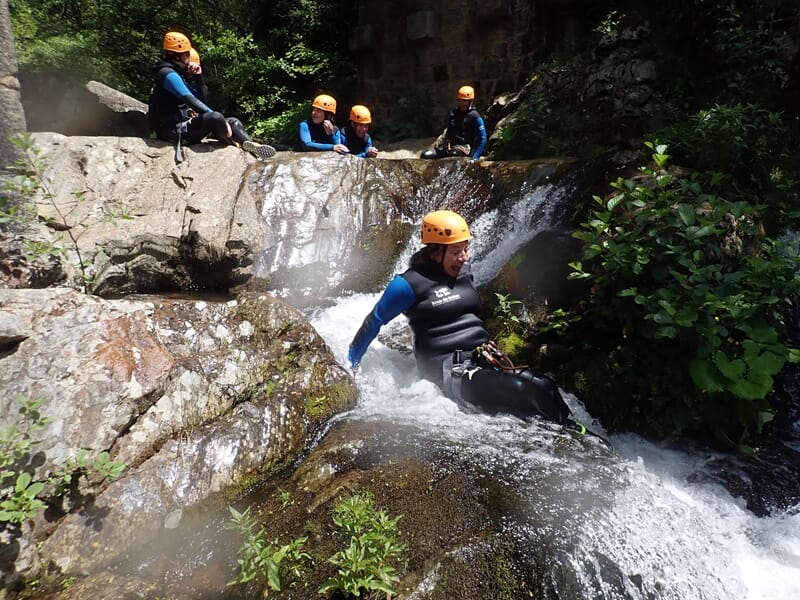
178	112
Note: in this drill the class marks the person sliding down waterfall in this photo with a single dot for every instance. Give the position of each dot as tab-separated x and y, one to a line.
451	345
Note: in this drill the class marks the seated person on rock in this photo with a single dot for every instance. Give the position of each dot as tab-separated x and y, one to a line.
355	135
465	134
450	342
319	133
177	115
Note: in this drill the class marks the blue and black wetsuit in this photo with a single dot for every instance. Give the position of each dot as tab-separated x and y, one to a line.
314	138
444	314
174	111
466	128
357	146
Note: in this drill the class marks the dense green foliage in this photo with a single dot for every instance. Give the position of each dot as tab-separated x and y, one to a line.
687	305
260	58
528	134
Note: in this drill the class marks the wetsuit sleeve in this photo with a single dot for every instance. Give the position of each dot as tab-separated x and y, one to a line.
175	85
397	297
307	144
367	146
480	135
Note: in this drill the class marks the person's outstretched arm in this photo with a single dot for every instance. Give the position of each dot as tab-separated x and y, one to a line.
397	297
307	144
175	85
480	128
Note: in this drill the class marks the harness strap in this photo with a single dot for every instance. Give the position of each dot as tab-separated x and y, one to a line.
180	129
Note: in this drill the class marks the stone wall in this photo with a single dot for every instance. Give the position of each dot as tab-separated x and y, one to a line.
420	48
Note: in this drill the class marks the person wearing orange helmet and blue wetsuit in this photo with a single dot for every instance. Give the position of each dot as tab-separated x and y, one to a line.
466	132
451	345
319	133
355	135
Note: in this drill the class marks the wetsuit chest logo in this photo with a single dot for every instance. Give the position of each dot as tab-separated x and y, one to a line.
444	295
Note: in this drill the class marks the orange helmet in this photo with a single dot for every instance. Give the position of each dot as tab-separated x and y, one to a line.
444	227
325	102
465	92
176	42
360	114
194	56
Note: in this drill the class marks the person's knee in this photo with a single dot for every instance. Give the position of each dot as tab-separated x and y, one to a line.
214	118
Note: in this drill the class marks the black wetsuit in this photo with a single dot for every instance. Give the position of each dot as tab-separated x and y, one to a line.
358	146
466	128
174	111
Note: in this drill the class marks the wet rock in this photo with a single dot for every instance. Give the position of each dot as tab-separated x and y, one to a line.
124	218
194	397
12	116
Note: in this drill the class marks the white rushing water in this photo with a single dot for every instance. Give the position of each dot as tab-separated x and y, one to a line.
629	523
669	538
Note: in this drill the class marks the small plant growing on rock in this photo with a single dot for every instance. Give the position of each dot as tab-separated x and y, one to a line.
365	565
17	194
268	562
22	496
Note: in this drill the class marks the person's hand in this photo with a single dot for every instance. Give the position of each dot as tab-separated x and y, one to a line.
354	370
341	149
328	127
230	133
372	152
194	68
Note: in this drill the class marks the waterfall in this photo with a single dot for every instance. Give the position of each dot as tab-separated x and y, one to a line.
627	524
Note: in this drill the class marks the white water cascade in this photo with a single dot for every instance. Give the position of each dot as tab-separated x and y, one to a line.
625	524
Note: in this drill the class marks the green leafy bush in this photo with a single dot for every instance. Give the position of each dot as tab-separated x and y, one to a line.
687	305
364	566
750	54
745	140
524	136
282	128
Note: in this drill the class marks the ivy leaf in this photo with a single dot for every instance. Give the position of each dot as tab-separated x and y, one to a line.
754	388
731	369
705	375
687	214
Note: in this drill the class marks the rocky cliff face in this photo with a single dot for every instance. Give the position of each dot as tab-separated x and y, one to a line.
119	216
12	117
